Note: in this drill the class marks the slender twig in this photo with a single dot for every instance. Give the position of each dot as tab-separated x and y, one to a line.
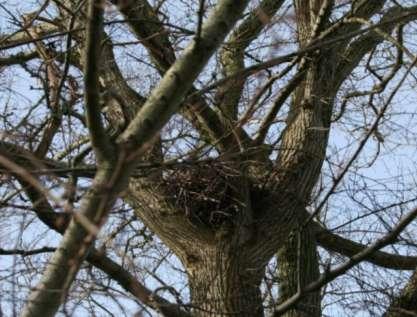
26	252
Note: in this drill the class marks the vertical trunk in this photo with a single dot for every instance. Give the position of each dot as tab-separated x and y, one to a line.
405	304
305	143
223	283
223	279
297	267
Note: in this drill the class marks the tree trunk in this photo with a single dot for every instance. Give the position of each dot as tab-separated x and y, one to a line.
223	283
297	267
223	278
405	304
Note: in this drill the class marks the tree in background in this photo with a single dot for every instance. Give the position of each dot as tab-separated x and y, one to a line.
208	158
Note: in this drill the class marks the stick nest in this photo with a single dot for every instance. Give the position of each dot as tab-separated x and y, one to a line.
207	193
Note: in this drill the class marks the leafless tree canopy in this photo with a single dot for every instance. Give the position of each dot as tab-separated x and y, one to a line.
208	158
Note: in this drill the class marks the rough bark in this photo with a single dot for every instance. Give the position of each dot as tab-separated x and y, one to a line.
224	275
303	148
405	303
298	266
223	283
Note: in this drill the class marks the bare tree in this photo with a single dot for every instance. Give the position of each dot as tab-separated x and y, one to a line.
208	158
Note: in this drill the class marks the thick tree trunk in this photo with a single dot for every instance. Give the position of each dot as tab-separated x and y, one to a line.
405	304
297	267
223	283
223	279
304	143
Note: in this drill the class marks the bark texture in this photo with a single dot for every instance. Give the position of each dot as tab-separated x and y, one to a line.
405	303
297	267
224	283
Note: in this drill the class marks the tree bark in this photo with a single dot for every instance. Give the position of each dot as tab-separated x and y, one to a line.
405	304
224	283
223	279
297	267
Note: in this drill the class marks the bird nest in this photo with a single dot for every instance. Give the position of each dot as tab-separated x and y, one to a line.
207	193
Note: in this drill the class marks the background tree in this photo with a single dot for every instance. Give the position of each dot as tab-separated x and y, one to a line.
208	158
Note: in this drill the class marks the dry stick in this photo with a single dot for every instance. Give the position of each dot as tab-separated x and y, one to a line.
68	49
13	168
252	107
52	74
330	275
379	87
26	252
282	97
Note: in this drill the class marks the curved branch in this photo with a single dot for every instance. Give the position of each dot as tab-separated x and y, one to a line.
330	275
132	285
233	53
335	243
355	52
145	24
279	101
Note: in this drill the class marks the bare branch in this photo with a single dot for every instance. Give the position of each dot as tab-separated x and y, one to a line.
330	275
26	252
17	59
99	138
335	243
